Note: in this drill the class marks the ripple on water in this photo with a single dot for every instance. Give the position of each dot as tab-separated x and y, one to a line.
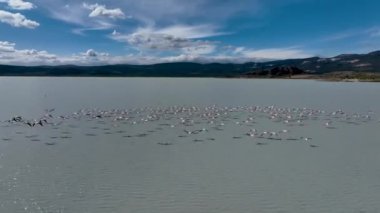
222	176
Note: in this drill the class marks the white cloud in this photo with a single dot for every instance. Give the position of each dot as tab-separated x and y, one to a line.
164	42
274	53
115	33
153	41
17	20
10	55
93	53
238	50
101	11
7	46
205	59
175	38
202	53
145	59
183	41
19	4
89	57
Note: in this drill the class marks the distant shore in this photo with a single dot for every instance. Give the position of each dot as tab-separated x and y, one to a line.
288	69
333	77
345	67
350	76
341	76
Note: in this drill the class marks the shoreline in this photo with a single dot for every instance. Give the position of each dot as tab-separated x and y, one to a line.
331	77
342	76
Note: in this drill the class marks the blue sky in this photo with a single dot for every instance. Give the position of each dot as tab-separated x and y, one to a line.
97	32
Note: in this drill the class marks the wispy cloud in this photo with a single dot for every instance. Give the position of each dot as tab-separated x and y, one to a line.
69	13
171	11
147	12
75	13
343	35
190	32
273	53
17	20
97	25
374	32
368	32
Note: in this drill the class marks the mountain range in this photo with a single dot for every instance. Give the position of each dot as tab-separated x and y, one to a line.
314	66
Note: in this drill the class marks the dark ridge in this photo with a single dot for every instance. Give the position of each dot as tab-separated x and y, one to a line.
347	62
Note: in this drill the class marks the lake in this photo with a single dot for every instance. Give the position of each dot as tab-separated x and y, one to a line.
169	145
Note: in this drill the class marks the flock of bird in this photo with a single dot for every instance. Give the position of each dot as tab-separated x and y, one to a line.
199	124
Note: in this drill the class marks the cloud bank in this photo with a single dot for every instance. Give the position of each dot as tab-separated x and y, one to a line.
9	54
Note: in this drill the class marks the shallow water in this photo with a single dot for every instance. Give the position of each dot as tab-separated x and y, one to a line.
101	165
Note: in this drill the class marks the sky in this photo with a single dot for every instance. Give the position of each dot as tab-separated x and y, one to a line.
97	32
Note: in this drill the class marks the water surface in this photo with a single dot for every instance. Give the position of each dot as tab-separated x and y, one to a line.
102	165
